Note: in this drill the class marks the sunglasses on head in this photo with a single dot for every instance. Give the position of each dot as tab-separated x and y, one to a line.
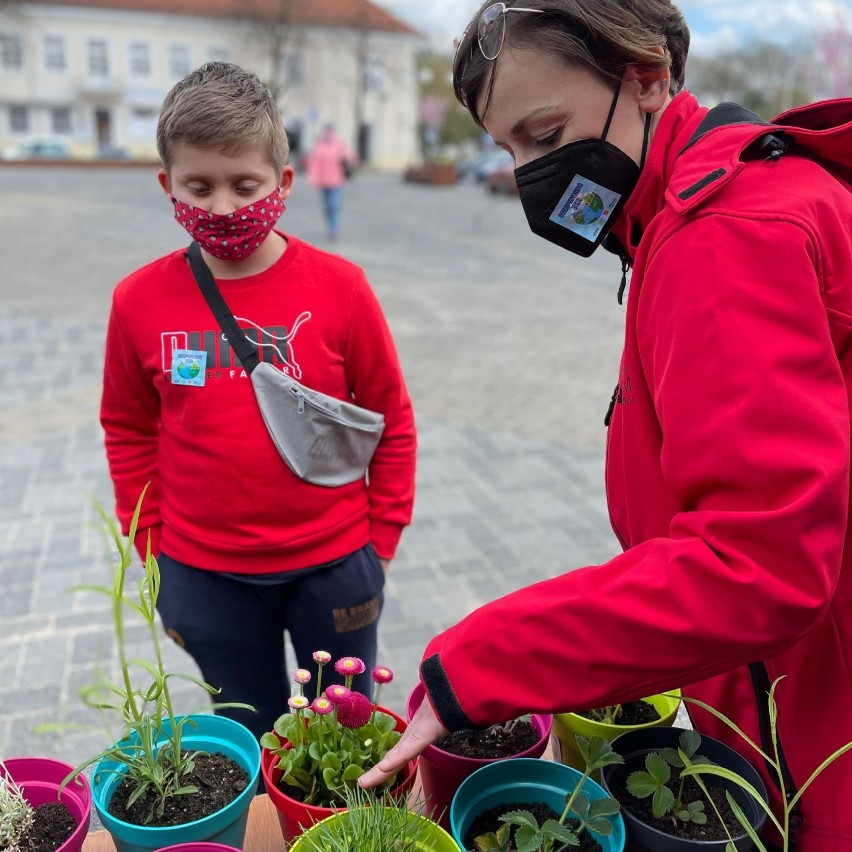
491	28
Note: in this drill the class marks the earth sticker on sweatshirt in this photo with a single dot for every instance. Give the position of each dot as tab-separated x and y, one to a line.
189	367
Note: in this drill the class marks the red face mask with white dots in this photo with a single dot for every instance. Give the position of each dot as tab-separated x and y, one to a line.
231	236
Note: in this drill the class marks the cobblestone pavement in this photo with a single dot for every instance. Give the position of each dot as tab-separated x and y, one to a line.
509	346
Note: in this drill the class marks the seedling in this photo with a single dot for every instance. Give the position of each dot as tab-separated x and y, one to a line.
554	835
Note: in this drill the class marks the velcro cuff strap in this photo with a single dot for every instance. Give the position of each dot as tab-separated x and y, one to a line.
444	700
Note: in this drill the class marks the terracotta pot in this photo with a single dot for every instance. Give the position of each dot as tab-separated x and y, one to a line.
39	778
294	816
441	772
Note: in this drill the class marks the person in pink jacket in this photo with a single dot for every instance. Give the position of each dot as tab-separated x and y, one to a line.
328	165
728	460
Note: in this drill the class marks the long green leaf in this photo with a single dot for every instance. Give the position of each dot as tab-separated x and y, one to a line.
723	772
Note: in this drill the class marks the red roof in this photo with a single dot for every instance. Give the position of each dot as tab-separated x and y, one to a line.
328	13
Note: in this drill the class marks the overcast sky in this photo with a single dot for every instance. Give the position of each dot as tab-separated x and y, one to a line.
713	23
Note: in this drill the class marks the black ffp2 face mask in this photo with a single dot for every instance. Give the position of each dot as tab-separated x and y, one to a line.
573	195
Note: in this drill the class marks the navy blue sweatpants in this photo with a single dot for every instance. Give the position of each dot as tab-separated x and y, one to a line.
235	629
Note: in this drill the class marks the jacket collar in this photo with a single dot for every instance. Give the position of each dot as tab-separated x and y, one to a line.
676	126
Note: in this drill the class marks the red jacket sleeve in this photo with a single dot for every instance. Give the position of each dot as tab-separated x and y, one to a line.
375	376
753	413
130	416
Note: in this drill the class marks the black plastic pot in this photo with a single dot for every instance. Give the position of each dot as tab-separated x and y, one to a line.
641	837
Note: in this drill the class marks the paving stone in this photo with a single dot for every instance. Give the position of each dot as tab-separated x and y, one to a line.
509	378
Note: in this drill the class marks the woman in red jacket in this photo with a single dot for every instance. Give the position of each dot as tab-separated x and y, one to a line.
729	434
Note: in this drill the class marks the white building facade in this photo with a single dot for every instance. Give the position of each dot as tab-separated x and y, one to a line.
95	74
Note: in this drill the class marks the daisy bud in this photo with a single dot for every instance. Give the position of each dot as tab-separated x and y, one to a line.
349	666
322	657
381	674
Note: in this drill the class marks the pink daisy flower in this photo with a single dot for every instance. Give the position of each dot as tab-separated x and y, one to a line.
298	702
349	666
337	693
381	674
322	706
354	711
302	676
322	657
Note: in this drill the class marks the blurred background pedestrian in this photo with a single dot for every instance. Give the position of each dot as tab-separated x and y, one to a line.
330	163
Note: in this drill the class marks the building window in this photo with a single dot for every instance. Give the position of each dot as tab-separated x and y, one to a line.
143	124
19	119
11	52
179	60
54	54
217	54
140	59
60	120
98	58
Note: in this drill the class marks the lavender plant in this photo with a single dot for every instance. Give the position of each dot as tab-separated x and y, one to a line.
555	835
16	813
324	746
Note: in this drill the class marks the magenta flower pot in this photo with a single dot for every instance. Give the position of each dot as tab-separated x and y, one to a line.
39	779
441	773
199	847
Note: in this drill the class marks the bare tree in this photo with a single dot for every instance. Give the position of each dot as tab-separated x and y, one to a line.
279	38
831	69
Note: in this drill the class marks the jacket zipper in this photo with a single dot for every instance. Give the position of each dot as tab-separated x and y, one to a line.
761	684
606	470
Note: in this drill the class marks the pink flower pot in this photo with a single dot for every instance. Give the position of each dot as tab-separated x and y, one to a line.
441	773
294	816
39	779
199	847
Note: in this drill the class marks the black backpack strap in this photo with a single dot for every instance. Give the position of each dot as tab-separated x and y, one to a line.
769	146
236	336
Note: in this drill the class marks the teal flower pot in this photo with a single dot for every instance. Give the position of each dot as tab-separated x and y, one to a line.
227	826
524	780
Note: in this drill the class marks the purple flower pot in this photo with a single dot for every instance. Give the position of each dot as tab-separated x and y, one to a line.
441	773
39	779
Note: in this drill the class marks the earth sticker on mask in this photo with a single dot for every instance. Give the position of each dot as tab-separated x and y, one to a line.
585	208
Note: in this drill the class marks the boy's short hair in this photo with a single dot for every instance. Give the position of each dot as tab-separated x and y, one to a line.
221	105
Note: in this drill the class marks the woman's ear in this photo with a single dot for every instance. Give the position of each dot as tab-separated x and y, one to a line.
651	86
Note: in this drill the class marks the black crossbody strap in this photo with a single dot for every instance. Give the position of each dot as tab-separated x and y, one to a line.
236	336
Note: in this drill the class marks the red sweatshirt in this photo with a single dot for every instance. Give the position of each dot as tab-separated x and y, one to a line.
728	471
222	498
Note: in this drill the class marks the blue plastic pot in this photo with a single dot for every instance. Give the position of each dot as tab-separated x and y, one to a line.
227	826
524	780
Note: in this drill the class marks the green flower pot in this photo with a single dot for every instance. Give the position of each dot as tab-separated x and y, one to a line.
566	726
430	836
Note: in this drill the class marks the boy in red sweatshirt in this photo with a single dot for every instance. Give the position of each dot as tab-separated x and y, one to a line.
246	549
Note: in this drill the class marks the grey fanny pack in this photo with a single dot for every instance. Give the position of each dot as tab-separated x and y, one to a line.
323	440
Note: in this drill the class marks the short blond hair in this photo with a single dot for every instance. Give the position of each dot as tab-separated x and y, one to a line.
221	105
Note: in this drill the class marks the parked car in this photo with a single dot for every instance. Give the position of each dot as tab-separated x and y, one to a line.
112	152
481	165
502	181
37	149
